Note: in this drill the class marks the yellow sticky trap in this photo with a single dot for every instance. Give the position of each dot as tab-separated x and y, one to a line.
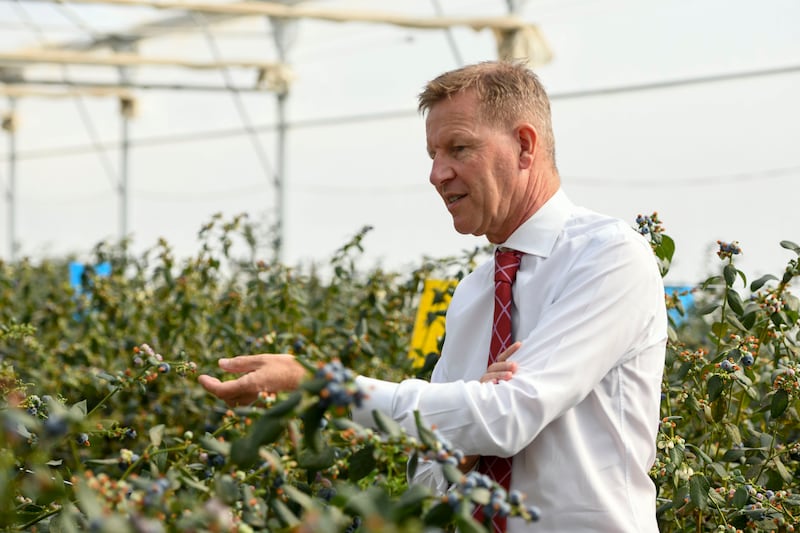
429	322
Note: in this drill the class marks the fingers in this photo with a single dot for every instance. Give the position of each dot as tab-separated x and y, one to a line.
243	363
499	371
496	377
224	390
508	352
262	372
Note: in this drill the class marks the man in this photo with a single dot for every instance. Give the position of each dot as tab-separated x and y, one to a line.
576	405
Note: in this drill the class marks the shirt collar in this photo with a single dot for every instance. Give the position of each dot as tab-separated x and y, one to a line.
538	234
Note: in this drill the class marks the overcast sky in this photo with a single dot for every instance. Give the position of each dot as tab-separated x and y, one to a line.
717	160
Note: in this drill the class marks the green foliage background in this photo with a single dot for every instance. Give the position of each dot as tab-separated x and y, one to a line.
97	433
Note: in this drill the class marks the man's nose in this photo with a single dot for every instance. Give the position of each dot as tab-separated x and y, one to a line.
441	171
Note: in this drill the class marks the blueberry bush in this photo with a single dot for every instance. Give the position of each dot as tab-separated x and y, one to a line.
104	427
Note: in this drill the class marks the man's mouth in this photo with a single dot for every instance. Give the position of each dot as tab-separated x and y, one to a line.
454	198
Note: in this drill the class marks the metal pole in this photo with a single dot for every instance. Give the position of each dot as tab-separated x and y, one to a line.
282	94
123	169
9	124
127	106
280	174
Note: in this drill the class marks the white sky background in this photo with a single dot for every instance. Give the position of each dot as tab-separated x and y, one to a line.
716	160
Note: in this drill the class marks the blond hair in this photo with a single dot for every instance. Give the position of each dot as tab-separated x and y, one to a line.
508	92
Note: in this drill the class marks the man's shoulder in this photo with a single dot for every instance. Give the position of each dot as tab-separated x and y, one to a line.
588	224
588	233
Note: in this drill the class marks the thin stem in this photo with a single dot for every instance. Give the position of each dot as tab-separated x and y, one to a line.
39	519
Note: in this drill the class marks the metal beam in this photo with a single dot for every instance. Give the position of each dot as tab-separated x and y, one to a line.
71	91
64	57
278	10
40	88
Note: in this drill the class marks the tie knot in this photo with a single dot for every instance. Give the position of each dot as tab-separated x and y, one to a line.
506	264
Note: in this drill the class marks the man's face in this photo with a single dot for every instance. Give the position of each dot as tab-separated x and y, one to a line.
475	168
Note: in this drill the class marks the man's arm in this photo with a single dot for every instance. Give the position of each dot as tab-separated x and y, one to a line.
281	372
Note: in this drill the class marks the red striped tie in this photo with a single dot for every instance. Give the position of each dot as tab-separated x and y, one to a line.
506	264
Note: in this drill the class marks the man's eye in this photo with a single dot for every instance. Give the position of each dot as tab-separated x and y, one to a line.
459	148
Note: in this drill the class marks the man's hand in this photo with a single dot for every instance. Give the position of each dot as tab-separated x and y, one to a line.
260	373
500	370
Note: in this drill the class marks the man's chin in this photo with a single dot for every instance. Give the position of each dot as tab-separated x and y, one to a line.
467	230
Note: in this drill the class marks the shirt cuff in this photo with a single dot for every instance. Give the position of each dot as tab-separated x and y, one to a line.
379	396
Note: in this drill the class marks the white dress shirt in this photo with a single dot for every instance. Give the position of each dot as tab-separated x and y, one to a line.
581	413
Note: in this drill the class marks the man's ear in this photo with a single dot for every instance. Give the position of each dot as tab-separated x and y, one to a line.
527	139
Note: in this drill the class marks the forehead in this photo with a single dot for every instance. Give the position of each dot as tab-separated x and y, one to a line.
459	113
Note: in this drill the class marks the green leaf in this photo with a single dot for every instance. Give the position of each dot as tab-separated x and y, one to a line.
267	430
677	455
285	406
480	495
387	424
227	489
101	461
244	452
107	377
410	503
664	508
316	460
413	463
680	496
720	329
714	386
191	481
719	470
683	370
780	468
735	302
156	435
667	247
284	514
740	497
298	496
213	445
716	499
733	321
757	284
729	272
719	409
779	403
362	463
451	473
700	453
733	455
779	319
733	432
78	409
789	245
698	491
467	524
439	515
427	436
312	421
707	309
160	459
